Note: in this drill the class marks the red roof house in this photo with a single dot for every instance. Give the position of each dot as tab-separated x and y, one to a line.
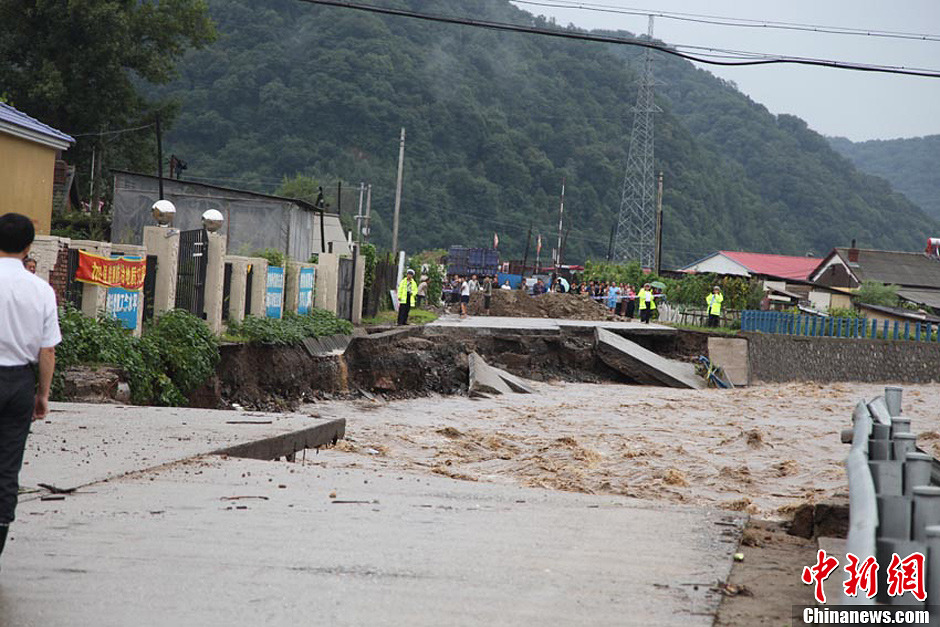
755	264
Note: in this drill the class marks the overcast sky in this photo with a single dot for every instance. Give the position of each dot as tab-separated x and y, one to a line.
856	105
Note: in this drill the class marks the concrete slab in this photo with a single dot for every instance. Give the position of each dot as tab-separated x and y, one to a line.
731	354
80	444
643	365
484	379
241	542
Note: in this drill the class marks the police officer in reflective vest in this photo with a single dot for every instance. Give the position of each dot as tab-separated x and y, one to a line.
714	301
407	291
647	302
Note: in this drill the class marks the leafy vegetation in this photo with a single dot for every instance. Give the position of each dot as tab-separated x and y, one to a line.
170	360
496	120
275	258
290	330
78	66
874	293
910	165
691	290
428	264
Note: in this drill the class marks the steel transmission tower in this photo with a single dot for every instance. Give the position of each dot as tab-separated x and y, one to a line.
636	223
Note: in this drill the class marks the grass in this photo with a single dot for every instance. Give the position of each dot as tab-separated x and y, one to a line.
417	316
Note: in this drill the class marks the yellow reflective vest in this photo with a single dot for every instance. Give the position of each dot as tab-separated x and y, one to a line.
407	290
642	296
714	303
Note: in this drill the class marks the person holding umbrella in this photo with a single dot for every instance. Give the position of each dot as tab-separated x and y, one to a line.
407	290
647	303
714	301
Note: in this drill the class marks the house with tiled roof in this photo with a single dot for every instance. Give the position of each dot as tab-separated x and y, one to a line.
737	263
917	274
28	152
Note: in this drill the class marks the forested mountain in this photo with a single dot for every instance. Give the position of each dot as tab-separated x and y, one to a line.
912	165
496	120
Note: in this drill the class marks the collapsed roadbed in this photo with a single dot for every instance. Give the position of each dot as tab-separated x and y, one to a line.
435	359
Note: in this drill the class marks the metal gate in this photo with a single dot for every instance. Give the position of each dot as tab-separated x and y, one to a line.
344	288
191	280
249	279
150	286
226	291
73	288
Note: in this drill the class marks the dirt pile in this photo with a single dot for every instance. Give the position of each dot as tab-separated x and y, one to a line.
517	304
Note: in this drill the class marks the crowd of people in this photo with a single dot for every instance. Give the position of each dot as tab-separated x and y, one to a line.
622	299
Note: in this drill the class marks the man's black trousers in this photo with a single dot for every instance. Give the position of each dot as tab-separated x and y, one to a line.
403	310
17	401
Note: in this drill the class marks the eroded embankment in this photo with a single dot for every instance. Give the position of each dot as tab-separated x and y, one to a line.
417	361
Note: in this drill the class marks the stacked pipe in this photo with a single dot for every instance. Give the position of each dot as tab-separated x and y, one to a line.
894	505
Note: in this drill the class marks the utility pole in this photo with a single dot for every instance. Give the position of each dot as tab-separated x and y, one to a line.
636	222
339	198
368	228
610	243
91	188
359	216
159	156
659	225
401	170
525	257
538	254
561	218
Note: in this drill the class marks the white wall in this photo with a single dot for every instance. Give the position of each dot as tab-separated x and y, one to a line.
719	264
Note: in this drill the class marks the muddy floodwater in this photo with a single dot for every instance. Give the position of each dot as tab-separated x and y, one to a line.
764	450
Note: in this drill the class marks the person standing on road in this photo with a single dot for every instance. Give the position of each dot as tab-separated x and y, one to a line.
647	303
474	284
407	290
29	332
487	294
422	291
464	297
631	302
714	301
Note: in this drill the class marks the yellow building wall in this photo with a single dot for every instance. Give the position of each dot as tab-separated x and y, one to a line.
26	171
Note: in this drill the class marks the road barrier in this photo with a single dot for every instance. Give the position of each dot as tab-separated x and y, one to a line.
894	497
855	328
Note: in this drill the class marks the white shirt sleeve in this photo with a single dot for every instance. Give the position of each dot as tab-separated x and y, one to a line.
51	335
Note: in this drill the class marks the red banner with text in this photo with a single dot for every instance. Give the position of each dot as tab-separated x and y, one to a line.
111	272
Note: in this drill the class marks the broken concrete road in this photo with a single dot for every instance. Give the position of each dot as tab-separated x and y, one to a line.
80	444
487	379
643	365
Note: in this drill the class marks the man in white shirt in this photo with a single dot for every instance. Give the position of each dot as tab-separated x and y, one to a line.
464	296
29	332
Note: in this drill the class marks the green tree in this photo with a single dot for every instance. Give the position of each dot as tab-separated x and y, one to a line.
79	65
874	293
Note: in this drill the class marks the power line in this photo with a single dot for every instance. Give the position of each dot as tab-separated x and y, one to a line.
113	132
732	21
607	39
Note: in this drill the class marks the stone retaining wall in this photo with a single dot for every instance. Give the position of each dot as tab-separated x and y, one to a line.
782	358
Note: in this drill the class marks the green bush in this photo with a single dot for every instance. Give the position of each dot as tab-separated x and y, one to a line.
874	293
172	358
291	329
275	258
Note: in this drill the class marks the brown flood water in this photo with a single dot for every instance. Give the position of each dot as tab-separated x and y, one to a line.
763	449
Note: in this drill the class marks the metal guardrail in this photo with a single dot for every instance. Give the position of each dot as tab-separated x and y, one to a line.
781	323
894	498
